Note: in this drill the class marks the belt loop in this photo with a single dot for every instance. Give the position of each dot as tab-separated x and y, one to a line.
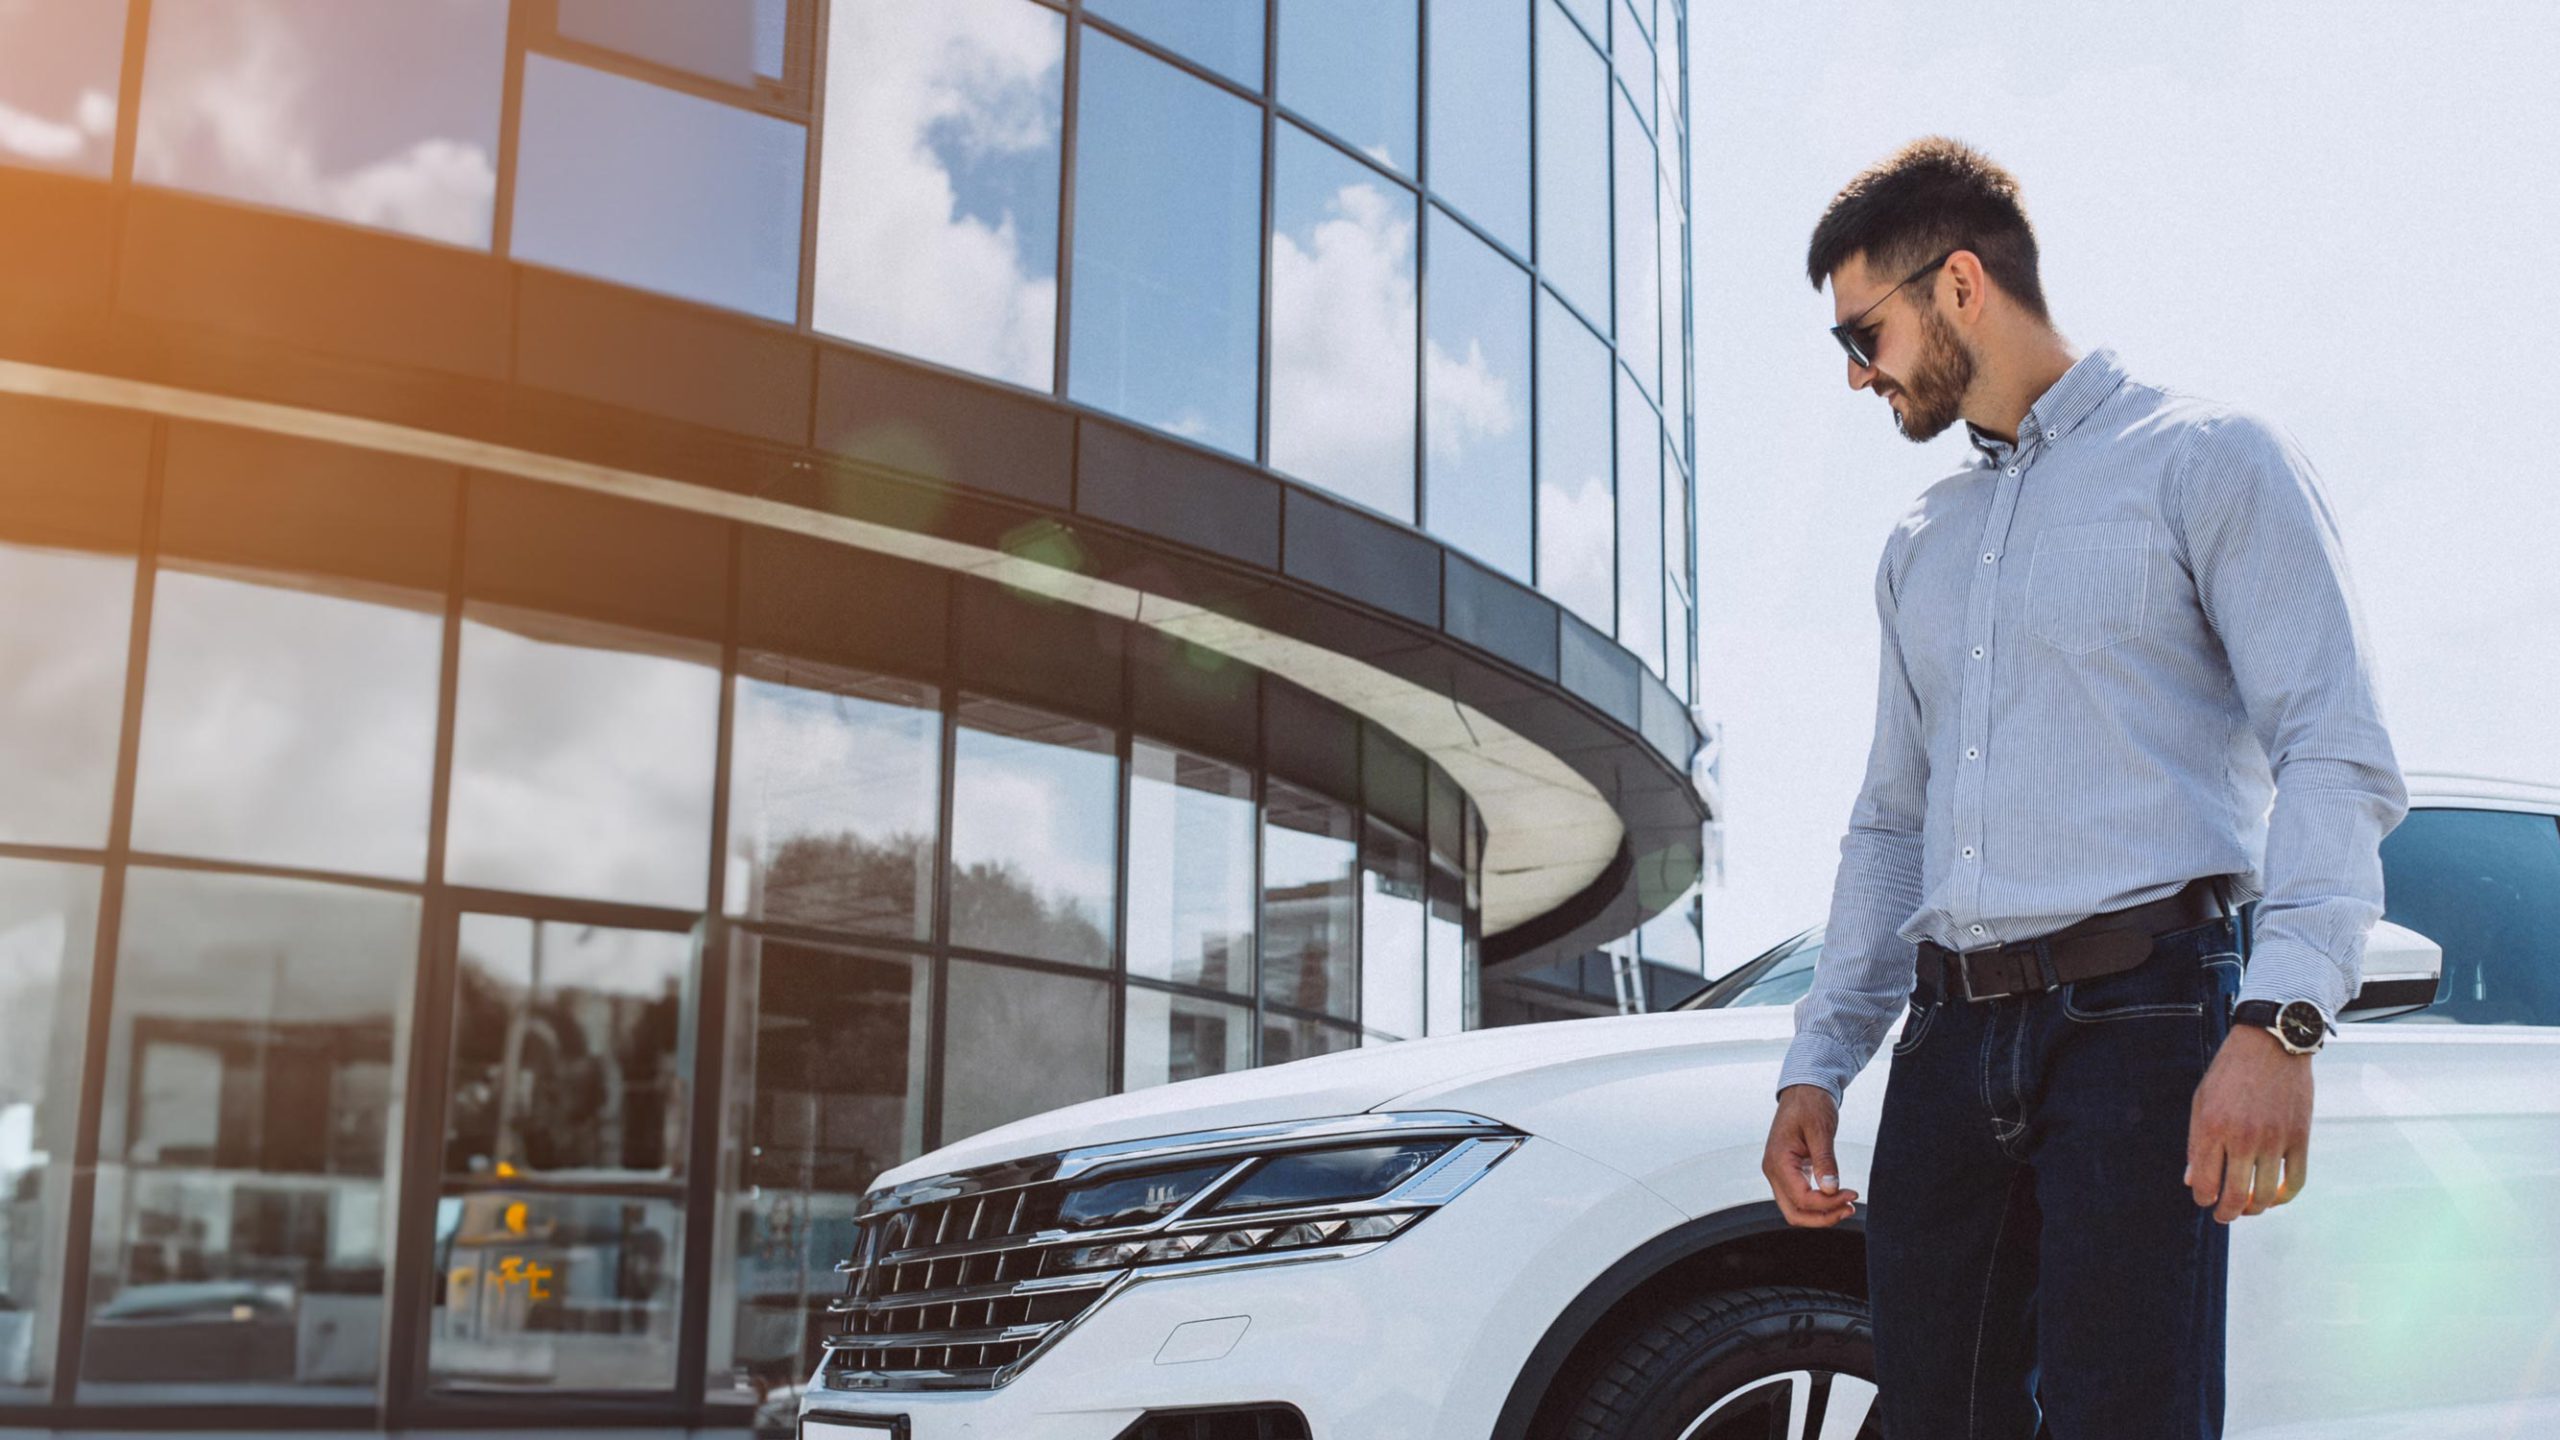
2044	964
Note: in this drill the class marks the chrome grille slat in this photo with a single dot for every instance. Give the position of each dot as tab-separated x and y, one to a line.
1044	1285
933	1339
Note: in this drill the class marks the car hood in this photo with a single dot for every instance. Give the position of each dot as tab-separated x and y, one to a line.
1347	1082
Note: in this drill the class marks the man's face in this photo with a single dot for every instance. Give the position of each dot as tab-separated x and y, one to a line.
1923	367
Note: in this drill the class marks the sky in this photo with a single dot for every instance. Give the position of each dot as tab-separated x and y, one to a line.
2339	214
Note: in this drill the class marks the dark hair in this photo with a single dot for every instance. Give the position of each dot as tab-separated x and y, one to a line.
1931	196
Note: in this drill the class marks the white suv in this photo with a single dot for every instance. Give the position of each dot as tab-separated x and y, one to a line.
1561	1230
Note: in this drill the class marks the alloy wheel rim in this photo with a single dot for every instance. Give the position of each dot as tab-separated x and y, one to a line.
1793	1405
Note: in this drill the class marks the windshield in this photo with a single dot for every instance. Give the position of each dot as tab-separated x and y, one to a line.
1778	976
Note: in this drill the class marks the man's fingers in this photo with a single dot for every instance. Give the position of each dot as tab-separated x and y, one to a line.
2239	1171
2204	1169
2297	1160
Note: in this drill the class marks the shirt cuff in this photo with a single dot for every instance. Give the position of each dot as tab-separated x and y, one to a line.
1816	1059
2284	969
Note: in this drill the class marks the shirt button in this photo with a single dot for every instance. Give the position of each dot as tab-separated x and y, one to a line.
1971	753
1986	557
1977	929
2013	469
1968	852
1977	652
2053	434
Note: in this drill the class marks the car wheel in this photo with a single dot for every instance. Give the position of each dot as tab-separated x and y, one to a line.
1762	1363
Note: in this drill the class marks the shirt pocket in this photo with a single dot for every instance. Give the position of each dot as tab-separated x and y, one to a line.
2086	583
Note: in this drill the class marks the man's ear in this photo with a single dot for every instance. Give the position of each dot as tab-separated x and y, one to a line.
1968	288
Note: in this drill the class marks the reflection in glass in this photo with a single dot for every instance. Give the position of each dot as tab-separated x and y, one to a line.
1035	814
1021	1041
1639	259
289	723
1181	1037
61	63
722	41
570	1051
1476	476
1594	15
1351	67
1634	55
1674	937
1287	1037
66	619
1167	316
1391	933
1444	949
938	183
834	784
1225	35
1479	132
1675	313
381	115
1190	869
1310	854
1573	165
565	1049
582	759
1576	529
1676	541
541	1288
653	188
1342	325
1640	546
252	1077
827	1053
48	932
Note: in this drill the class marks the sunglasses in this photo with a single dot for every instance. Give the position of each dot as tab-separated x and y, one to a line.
1858	337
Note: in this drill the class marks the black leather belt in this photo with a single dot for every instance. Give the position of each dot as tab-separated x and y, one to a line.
2101	944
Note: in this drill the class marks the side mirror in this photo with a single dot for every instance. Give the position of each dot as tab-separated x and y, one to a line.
2402	969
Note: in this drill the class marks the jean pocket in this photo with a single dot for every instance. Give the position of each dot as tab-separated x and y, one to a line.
2169	982
1916	1024
2086	584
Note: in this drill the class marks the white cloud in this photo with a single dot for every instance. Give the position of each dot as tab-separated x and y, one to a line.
1471	402
899	264
54	142
1342	348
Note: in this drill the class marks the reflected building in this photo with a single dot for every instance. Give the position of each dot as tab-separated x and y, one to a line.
616	615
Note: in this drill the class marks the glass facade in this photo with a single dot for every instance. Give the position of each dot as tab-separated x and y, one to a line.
507	926
1228	220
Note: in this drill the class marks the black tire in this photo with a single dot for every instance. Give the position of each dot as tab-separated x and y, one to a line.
1741	1355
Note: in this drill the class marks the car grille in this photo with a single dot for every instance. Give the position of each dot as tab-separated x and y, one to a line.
1244	1422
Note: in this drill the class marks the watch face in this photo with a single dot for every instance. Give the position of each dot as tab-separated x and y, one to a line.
2301	1023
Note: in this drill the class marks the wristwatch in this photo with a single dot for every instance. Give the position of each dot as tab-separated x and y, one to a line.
2297	1025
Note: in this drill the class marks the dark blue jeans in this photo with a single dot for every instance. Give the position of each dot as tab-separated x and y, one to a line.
2036	1265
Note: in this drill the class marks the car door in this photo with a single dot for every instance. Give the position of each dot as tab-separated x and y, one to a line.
2414	1286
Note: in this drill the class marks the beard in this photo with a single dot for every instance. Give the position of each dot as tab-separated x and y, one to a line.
1934	395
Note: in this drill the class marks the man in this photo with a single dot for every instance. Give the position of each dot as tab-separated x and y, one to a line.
2105	641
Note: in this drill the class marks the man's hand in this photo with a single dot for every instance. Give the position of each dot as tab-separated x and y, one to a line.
2251	1114
1800	1146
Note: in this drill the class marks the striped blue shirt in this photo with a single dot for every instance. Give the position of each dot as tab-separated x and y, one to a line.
2105	647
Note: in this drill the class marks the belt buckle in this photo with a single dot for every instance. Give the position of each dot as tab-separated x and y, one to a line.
1964	976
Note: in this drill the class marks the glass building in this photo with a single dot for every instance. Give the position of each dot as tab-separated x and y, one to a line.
618	614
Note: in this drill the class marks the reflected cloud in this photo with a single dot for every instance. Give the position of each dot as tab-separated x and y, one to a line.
938	192
1472	404
1343	315
69	143
380	116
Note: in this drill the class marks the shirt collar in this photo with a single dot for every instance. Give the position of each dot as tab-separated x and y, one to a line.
2061	408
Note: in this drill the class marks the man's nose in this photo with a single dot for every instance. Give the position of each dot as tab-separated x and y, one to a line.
1860	376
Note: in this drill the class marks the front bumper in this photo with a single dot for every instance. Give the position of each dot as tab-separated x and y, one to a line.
1418	1337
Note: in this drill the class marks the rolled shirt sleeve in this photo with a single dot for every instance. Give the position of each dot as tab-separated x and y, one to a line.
2263	546
1864	974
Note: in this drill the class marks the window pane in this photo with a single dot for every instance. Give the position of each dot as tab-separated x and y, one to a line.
1675	311
715	38
1022	1041
1286	1038
1225	35
834	791
1351	67
1594	15
382	115
1639	525
1342	325
1676	600
1391	934
252	1073
66	621
649	187
938	183
48	934
1168	249
289	723
1634	55
1035	815
1309	854
1477	476
1674	938
582	759
570	1067
1576	526
1179	1037
1639	256
61	64
1573	165
1190	869
1479	132
827	1053
1444	948
2484	885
